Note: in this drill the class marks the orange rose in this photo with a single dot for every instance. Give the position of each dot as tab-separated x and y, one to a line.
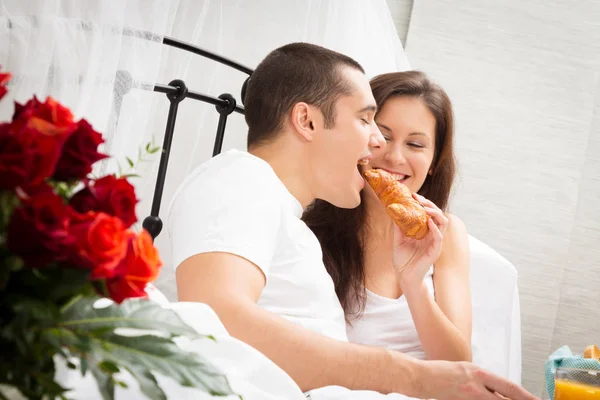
139	267
100	243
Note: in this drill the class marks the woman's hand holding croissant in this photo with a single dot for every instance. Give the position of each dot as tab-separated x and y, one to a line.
412	258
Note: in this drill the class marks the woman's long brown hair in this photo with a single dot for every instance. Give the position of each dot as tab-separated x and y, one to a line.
341	232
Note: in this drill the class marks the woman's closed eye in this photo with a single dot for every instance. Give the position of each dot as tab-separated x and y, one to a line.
416	145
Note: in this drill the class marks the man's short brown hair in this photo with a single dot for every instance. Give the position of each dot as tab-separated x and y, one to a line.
297	72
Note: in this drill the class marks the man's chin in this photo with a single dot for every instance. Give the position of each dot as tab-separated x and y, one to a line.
348	202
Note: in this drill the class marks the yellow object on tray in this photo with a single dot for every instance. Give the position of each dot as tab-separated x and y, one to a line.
578	384
568	390
573	376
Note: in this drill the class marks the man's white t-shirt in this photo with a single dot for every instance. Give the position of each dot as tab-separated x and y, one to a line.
235	203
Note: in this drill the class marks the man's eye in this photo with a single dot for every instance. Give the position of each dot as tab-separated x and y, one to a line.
364	121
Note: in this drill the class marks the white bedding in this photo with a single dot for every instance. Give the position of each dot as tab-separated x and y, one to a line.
496	344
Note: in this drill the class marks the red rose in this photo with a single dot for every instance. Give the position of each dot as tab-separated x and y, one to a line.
30	145
139	267
49	118
111	195
100	243
38	230
79	153
27	156
4	78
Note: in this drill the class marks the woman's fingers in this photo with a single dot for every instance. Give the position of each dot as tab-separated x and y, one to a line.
438	217
433	211
436	235
424	201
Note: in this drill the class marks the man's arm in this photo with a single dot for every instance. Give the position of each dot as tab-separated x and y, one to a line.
231	285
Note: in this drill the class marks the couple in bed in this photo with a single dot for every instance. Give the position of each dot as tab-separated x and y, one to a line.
300	260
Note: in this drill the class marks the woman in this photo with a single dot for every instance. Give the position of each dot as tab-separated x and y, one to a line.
407	295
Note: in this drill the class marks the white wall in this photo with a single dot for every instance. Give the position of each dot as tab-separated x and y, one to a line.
524	78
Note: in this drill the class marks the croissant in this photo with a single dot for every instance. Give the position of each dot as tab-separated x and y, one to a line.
406	212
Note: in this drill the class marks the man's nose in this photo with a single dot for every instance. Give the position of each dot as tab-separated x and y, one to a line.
376	140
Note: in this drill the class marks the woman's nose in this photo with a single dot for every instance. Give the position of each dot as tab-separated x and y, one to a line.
394	155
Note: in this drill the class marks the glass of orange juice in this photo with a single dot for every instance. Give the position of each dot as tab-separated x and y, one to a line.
576	384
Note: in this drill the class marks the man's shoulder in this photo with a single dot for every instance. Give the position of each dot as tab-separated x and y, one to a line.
231	164
231	176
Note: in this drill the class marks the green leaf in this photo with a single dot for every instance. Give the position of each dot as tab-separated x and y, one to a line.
49	384
106	385
162	355
8	202
131	176
130	162
56	339
148	384
108	367
66	282
85	366
132	313
154	149
91	331
14	263
36	309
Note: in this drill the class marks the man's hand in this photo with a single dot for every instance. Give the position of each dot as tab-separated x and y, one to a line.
444	380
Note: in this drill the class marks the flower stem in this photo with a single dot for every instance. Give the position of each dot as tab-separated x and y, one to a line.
71	303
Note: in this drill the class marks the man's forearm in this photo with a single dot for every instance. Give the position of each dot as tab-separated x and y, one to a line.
314	360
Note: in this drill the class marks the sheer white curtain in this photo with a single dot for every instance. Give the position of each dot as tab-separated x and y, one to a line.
76	52
72	49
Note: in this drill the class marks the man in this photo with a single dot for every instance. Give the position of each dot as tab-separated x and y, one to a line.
239	244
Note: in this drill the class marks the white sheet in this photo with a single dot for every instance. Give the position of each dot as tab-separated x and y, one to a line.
496	343
496	339
250	373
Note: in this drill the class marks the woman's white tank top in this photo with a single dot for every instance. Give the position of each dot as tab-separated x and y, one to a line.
388	323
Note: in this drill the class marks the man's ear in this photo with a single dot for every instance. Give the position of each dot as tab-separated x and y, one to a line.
303	120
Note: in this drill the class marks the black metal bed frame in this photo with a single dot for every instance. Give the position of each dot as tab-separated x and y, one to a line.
176	92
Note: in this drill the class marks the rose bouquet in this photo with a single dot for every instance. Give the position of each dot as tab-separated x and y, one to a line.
66	241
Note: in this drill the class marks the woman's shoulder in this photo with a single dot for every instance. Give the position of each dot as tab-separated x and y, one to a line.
456	226
456	241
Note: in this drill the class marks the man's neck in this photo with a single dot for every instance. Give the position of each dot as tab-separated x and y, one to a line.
289	168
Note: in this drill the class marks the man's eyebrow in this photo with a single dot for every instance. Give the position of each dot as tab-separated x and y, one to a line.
370	107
